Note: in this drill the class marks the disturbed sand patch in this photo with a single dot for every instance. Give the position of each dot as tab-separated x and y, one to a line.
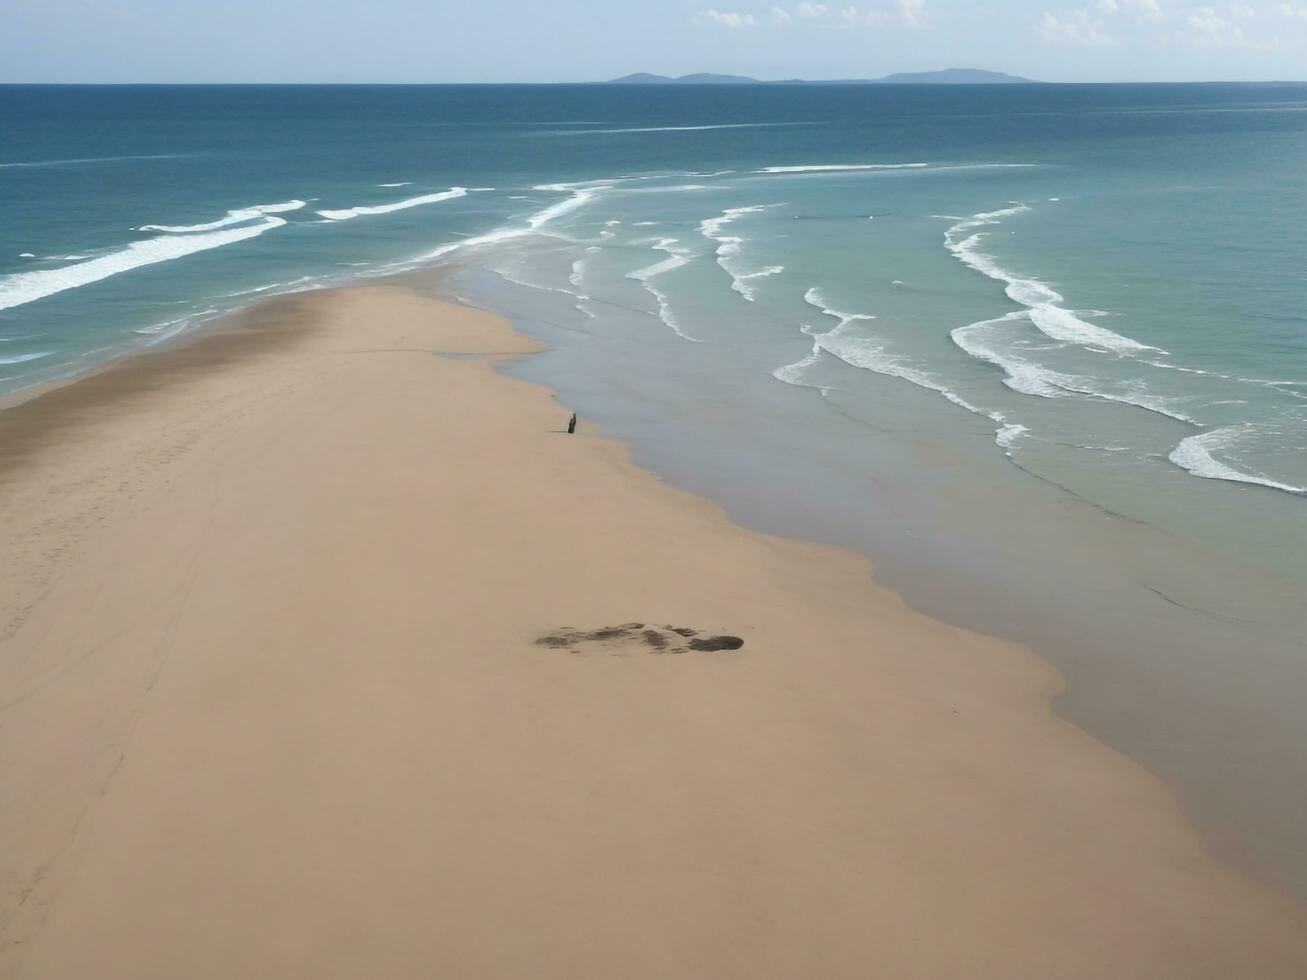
637	637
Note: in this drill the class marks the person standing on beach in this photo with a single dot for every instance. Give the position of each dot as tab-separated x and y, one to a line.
571	424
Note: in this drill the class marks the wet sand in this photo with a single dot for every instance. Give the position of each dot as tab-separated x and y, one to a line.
320	658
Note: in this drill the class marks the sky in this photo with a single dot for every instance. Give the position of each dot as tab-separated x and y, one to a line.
591	40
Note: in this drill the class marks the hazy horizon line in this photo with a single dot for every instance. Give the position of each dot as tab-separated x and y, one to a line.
755	81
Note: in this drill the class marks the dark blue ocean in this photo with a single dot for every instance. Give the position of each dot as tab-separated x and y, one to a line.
1041	350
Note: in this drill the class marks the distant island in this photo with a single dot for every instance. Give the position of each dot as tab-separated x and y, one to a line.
949	76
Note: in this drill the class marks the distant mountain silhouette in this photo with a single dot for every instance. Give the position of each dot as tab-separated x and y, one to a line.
949	76
702	78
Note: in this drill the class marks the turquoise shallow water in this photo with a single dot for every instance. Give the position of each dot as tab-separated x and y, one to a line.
1040	255
1041	350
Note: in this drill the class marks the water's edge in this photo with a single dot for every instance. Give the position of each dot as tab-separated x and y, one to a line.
914	575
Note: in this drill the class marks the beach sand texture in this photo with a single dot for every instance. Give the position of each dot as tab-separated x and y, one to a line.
296	682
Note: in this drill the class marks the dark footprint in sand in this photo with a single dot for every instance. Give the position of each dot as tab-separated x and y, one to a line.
618	641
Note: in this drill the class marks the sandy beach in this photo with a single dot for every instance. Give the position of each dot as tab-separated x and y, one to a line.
319	657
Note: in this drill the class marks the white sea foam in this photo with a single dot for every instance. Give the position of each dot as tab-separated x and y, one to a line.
24	358
834	167
27	255
27	287
674	261
494	237
828	168
728	247
402	183
169	328
529	284
413	202
796	373
577	278
665	313
866	352
669	189
741	283
1008	433
1030	378
676	258
963	240
670	129
861	350
581	193
1051	319
1284	387
1195	455
81	160
234	217
1021	374
290	285
1188	370
813	297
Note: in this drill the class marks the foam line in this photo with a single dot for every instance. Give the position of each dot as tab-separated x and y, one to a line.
347	213
964	239
581	193
815	168
81	160
794	374
233	217
671	129
676	257
1030	378
1194	454
1020	374
862	351
813	297
728	247
27	287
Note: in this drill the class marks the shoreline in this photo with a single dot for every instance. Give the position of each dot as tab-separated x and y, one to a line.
1153	680
277	702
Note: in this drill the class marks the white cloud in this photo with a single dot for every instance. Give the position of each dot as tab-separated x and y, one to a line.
1242	11
1206	21
912	12
1146	10
1077	28
1209	29
1289	10
851	16
725	18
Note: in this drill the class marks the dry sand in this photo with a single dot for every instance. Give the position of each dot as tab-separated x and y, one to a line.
274	707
